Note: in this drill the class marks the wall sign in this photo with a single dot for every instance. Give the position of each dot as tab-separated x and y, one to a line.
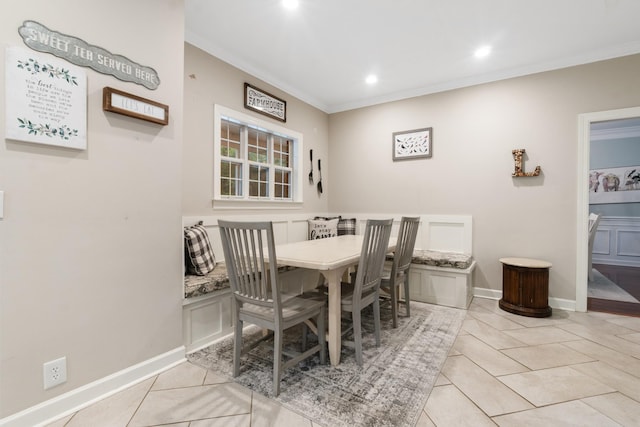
78	52
130	105
46	100
264	103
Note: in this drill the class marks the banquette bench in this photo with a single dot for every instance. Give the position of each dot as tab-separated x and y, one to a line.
441	271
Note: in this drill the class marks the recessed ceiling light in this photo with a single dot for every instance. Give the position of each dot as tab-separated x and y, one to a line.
482	51
290	4
371	79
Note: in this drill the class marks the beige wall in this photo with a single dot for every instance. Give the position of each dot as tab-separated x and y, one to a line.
475	130
90	259
209	81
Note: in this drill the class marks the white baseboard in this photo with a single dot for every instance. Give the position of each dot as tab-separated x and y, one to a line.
559	303
562	304
74	400
487	293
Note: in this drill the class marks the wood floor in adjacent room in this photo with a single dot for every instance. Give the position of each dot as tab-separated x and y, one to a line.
628	278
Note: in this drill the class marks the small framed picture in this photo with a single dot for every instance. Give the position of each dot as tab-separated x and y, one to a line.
412	144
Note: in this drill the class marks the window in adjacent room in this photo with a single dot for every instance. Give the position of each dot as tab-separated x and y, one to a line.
256	162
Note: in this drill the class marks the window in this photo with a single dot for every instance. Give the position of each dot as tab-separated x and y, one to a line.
255	162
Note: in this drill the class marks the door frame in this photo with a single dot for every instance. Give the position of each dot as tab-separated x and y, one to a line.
582	207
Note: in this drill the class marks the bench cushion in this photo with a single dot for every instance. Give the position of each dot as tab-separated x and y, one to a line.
442	259
216	280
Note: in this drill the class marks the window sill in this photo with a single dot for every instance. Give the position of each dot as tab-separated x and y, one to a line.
222	204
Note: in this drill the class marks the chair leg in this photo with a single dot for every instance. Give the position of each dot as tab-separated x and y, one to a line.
407	299
376	320
322	340
305	331
237	347
277	361
394	304
357	335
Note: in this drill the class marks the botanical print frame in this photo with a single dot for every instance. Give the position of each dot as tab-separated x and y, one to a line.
46	100
614	185
412	144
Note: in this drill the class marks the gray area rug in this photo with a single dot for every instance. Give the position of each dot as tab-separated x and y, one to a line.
603	288
390	389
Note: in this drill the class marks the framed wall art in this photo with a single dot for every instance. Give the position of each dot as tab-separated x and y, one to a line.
46	100
264	103
614	185
412	144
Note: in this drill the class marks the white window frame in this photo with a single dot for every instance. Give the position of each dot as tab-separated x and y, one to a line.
244	201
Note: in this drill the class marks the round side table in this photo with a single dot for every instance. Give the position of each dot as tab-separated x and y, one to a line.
525	287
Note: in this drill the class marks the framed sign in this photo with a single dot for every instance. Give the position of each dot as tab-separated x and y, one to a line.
134	106
264	103
412	144
46	100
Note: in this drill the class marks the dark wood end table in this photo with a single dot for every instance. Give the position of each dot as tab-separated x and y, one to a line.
525	287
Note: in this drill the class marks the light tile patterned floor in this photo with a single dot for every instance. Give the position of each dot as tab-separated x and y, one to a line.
570	369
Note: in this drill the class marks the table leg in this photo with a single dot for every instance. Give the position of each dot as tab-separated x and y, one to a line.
334	336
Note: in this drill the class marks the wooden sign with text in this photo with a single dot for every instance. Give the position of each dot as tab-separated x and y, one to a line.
134	106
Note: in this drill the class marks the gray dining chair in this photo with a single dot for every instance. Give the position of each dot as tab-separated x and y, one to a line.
365	290
399	274
250	257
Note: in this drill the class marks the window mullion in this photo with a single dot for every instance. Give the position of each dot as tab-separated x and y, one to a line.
272	164
245	161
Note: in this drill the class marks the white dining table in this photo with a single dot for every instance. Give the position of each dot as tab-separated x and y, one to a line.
331	257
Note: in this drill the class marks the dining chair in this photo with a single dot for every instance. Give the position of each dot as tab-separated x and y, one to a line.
399	274
594	220
250	257
365	290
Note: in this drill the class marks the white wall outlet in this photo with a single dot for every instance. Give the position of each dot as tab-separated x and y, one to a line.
55	372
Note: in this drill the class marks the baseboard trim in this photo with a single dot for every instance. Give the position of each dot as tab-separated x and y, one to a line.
562	304
487	293
74	400
559	303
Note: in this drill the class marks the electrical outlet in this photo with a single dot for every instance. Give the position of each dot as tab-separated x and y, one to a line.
55	372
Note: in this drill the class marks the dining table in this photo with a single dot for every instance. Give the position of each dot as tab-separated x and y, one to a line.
331	257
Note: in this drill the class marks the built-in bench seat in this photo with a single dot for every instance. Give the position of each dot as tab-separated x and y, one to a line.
442	265
441	270
215	280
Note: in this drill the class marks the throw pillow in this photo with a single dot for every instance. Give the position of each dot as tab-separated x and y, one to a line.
198	248
321	229
346	226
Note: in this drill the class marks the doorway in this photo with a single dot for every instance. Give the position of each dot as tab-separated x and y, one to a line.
585	122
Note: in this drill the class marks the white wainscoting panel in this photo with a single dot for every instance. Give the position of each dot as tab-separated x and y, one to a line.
617	242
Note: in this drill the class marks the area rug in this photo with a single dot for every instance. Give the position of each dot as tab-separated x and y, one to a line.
390	389
603	288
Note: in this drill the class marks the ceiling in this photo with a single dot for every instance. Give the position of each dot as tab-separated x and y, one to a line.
322	51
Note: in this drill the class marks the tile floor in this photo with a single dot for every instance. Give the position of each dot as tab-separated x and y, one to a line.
570	369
